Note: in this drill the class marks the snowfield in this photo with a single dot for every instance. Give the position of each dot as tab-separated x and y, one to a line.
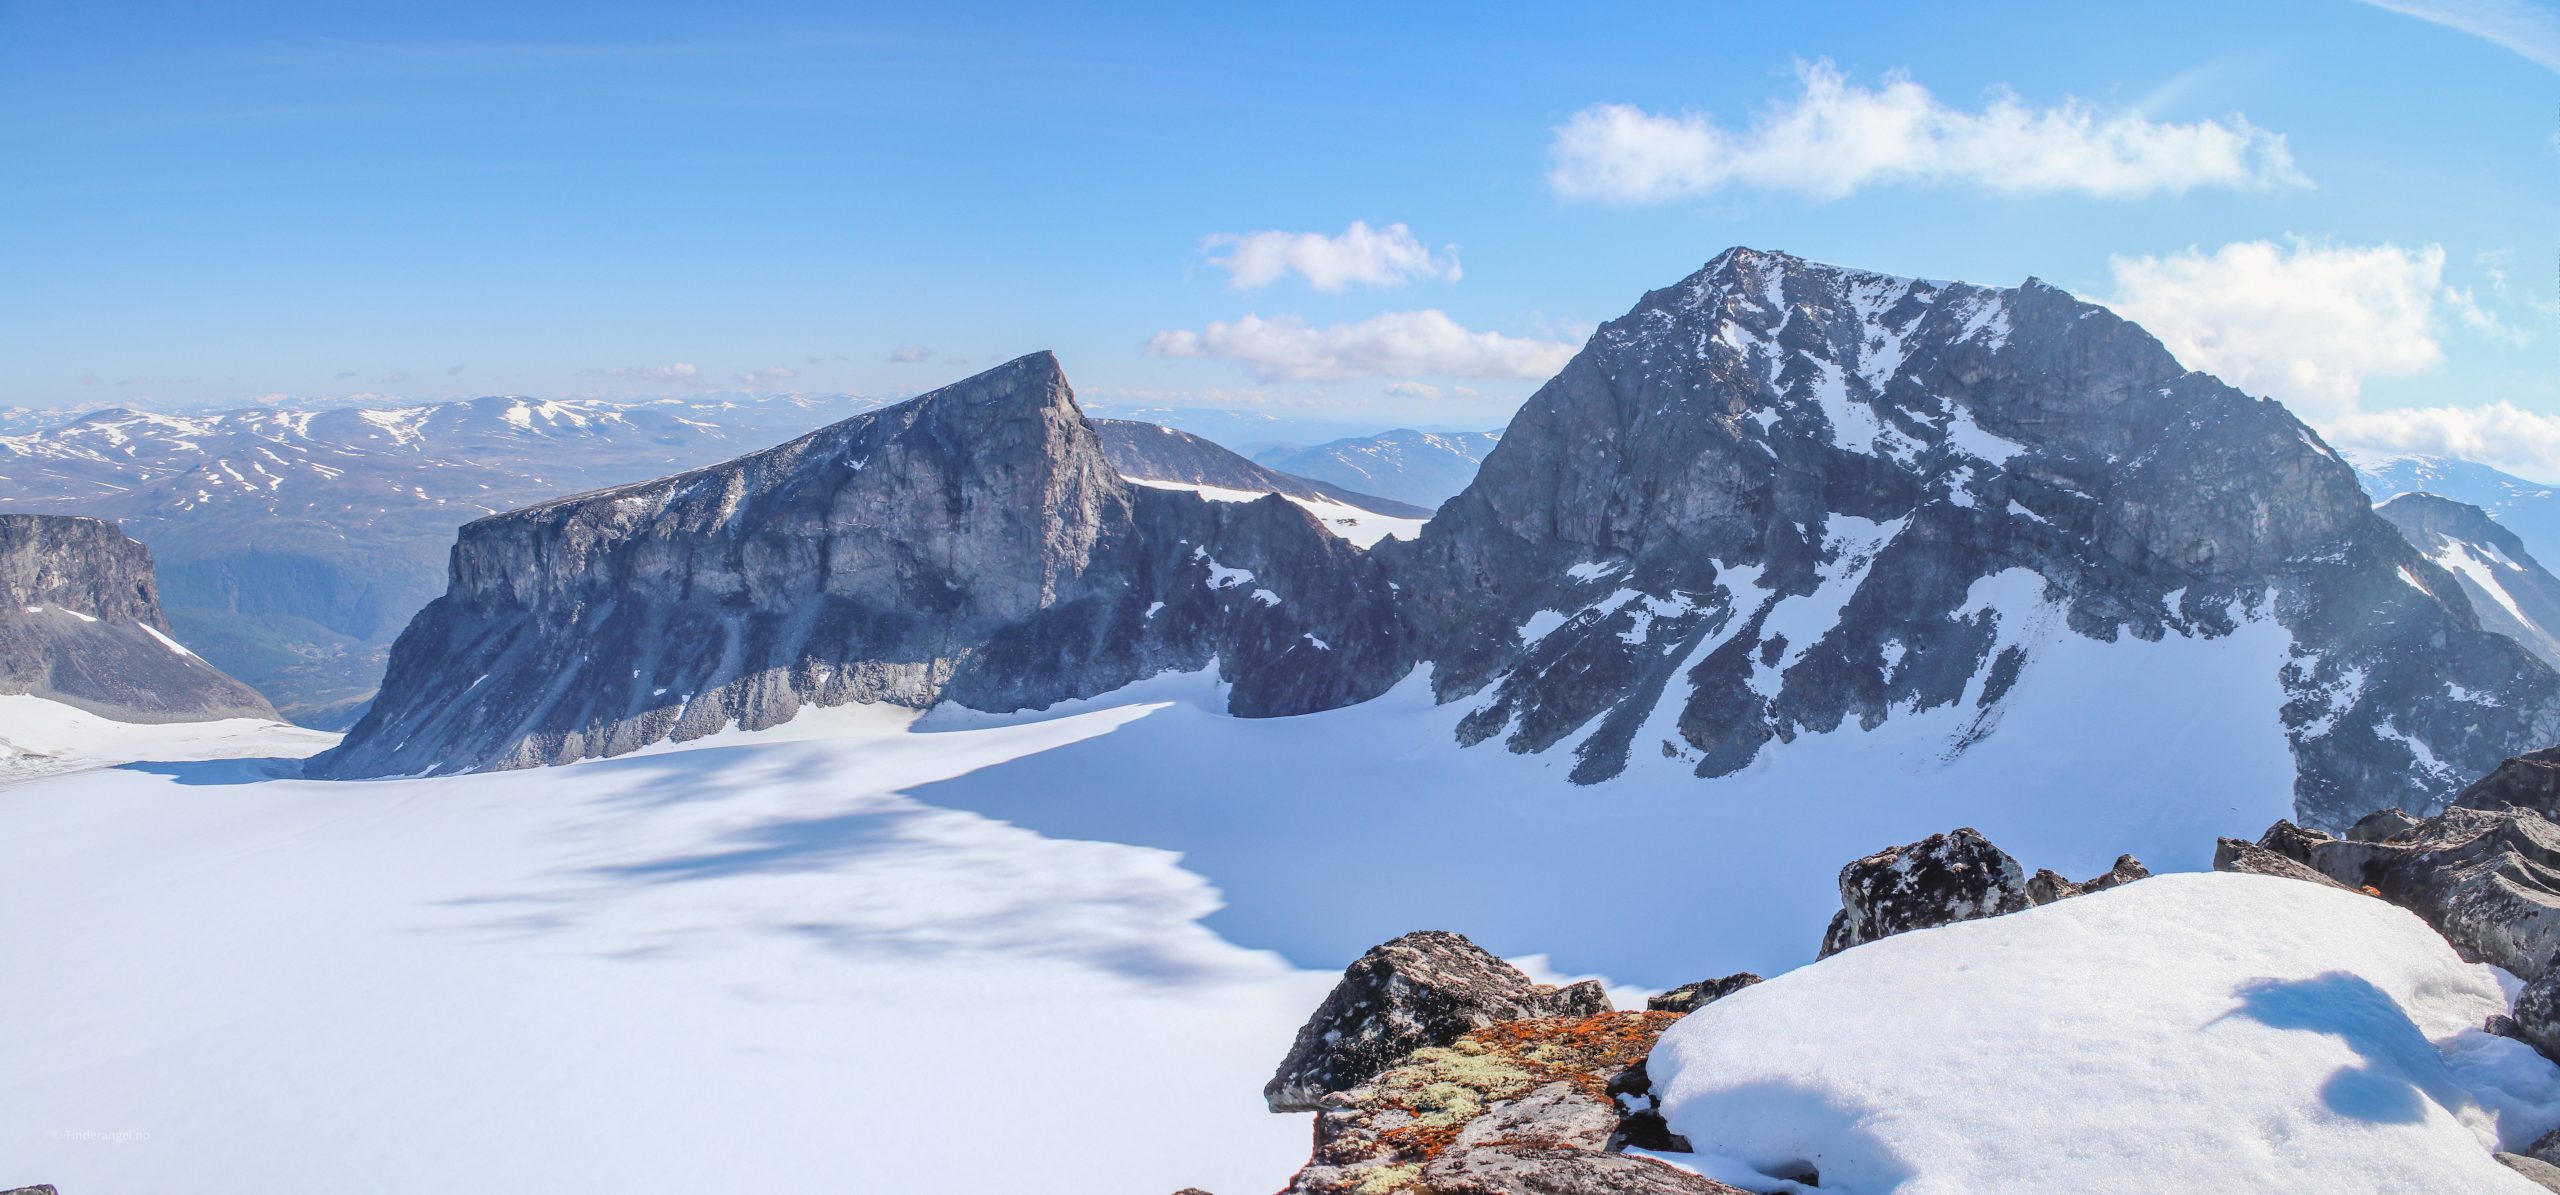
1362	527
960	951
2184	1033
744	965
43	738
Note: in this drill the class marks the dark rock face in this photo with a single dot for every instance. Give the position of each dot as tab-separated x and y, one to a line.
1423	989
1784	499
2509	591
1939	880
1153	452
1518	1107
2047	886
1690	997
80	623
973	545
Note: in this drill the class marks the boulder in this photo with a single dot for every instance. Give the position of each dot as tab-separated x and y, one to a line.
1690	997
2541	1172
1423	989
2047	886
1939	880
1519	1107
2380	825
2528	781
2537	1015
2241	855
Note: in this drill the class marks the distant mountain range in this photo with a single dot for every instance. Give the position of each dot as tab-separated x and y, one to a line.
1422	468
2529	509
1779	508
294	544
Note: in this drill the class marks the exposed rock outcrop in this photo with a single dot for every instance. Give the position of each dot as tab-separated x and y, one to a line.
1943	879
2487	879
972	545
1690	997
1424	989
80	623
2248	858
1518	1107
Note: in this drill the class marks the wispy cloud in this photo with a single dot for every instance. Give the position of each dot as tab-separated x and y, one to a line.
767	375
1837	137
1375	257
1390	344
2529	29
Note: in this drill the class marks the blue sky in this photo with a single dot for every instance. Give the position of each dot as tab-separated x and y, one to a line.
219	203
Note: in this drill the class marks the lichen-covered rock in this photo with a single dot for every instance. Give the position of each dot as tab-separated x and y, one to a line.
1939	880
1423	989
1522	1106
1690	997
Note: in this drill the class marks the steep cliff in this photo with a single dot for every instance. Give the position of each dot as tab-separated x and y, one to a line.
973	544
80	623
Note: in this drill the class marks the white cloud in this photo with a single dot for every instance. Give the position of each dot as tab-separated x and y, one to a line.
1413	390
2501	435
909	354
1837	137
1390	344
2482	320
677	372
2305	323
2528	29
1379	257
768	374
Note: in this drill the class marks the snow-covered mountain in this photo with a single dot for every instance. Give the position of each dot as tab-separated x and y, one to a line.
1422	468
1783	500
81	626
2529	509
2509	590
1156	455
294	544
1780	508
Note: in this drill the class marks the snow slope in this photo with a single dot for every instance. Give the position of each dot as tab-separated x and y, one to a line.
1362	527
748	965
44	738
1657	877
2185	1033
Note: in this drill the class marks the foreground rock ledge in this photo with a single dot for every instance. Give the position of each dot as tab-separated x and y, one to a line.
1423	989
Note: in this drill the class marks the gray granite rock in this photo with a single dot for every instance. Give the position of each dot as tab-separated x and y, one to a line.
1939	880
1690	997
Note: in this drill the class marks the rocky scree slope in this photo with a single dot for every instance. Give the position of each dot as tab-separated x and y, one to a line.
1783	499
80	623
973	545
2509	590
